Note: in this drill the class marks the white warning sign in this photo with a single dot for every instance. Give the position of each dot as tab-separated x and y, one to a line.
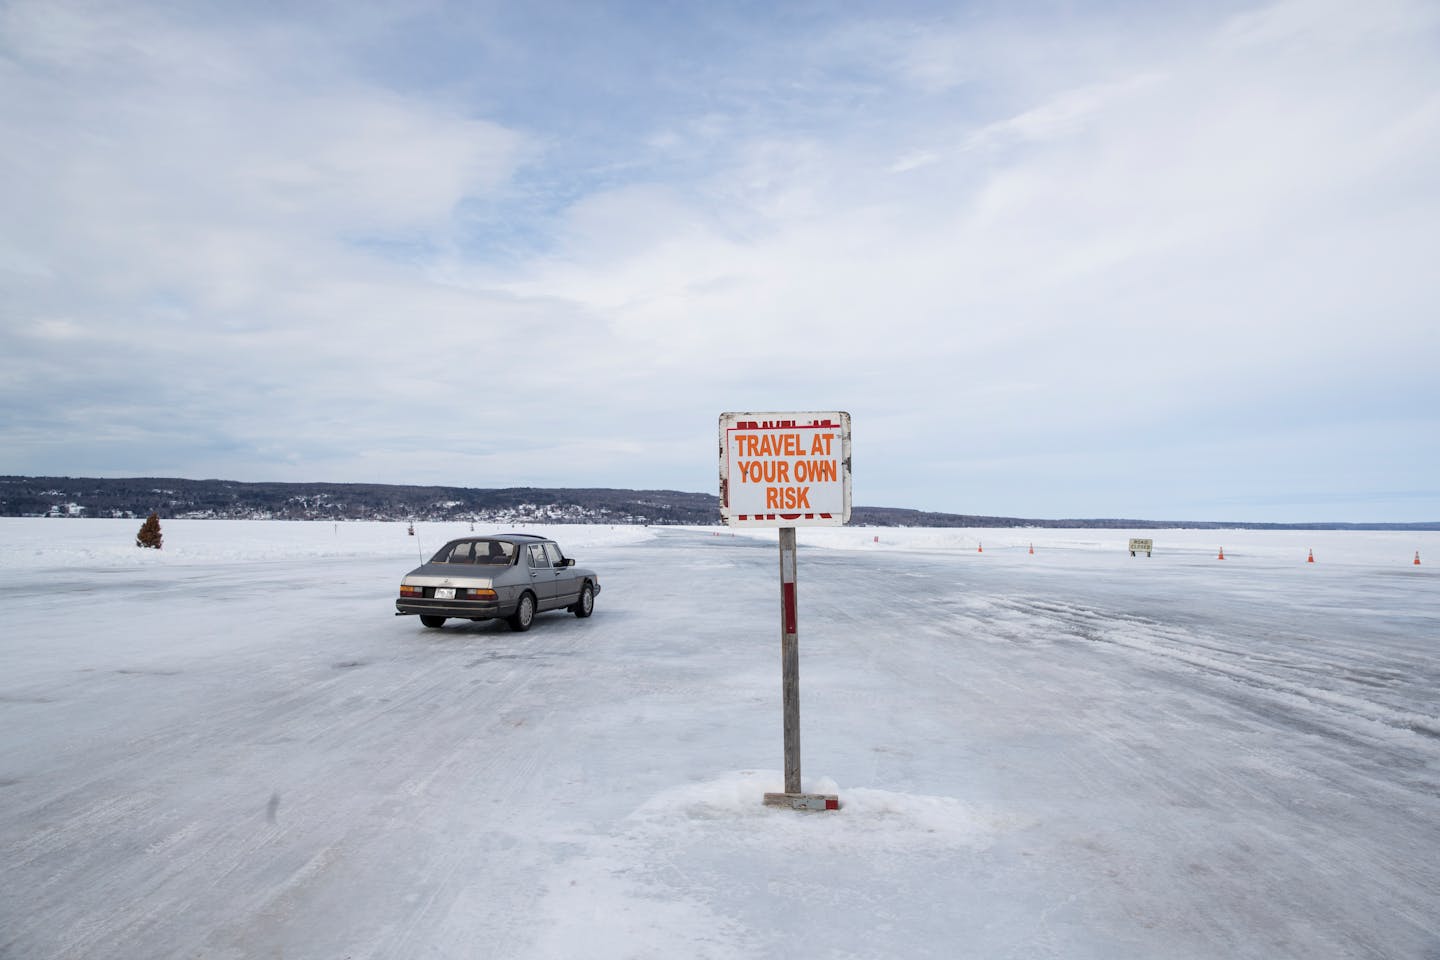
785	469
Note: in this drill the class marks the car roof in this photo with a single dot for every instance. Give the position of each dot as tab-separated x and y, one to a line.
507	537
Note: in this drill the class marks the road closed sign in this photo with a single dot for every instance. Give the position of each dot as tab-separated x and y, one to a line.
785	469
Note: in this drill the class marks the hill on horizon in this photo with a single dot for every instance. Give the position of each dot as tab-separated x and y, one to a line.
179	498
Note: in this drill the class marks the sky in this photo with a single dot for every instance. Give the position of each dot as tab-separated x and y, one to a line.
1157	261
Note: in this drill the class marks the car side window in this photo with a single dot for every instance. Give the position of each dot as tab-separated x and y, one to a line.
537	555
494	551
552	551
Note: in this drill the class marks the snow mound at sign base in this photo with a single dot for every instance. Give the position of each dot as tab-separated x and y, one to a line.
657	886
867	816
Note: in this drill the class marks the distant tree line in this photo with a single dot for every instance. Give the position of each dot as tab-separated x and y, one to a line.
177	497
173	497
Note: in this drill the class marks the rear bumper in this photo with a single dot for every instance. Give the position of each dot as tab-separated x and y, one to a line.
459	609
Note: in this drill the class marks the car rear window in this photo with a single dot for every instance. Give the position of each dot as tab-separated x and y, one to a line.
476	551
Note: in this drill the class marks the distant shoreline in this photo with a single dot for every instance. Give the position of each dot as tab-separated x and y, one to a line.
177	498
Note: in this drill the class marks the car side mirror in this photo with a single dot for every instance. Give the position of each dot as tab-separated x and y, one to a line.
568	562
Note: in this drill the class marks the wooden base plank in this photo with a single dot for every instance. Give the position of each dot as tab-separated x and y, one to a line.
803	801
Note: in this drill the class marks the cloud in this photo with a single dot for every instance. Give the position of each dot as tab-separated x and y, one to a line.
996	238
210	144
196	207
1153	251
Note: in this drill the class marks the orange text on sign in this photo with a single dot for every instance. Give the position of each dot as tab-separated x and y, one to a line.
782	445
785	471
787	498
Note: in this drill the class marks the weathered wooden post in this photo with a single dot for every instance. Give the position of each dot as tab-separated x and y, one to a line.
790	660
786	470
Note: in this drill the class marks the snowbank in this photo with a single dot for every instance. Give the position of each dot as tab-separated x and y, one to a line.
41	543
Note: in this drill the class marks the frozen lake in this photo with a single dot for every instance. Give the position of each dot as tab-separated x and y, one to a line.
232	748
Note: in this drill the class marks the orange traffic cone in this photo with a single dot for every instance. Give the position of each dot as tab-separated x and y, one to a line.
1222	554
1032	550
1311	558
980	549
1417	558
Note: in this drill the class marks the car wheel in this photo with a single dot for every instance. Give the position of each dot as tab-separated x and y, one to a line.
524	614
430	621
586	604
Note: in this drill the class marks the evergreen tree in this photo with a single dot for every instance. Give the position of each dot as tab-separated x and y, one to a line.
149	535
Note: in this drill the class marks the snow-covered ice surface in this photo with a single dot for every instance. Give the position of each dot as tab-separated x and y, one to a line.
232	749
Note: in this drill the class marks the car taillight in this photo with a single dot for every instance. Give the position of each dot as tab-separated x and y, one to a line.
481	594
408	591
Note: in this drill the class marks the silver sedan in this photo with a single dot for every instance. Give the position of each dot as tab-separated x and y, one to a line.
511	576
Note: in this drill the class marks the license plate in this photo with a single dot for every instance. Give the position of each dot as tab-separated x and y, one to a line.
444	593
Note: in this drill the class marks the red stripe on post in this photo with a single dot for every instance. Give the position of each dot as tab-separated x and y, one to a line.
787	600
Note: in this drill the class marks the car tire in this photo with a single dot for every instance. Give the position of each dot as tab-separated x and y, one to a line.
586	604
430	621
524	614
